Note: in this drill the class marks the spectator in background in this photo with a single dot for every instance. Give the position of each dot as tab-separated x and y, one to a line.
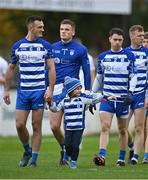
32	53
69	57
136	33
145	158
116	76
3	69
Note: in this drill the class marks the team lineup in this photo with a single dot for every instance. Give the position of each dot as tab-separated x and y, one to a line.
50	73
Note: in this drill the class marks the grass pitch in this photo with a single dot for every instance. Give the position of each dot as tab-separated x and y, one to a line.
48	167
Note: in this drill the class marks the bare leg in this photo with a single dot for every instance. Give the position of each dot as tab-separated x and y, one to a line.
139	130
130	139
106	120
21	119
37	116
55	120
23	134
122	133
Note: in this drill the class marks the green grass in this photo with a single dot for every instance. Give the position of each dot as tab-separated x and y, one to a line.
48	168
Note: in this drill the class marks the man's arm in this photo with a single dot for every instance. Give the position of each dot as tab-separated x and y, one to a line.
51	78
8	78
97	85
86	70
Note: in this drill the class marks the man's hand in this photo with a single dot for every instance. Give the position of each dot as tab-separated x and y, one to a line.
48	96
6	97
48	99
92	107
128	99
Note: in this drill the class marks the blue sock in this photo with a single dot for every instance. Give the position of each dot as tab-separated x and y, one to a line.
136	156
34	157
146	155
131	146
102	152
65	156
27	148
122	155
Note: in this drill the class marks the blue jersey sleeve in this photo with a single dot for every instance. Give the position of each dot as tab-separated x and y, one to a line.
86	69
100	69
48	47
13	57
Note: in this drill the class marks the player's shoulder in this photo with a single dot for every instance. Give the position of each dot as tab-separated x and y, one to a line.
128	48
104	53
144	49
78	45
57	43
17	43
44	42
127	51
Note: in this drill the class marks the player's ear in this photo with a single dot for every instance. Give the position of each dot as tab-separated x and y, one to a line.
109	39
73	32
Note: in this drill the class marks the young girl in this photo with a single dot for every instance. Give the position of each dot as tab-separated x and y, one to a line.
74	106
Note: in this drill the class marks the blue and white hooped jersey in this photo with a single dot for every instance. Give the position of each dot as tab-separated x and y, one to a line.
31	57
141	62
69	58
74	109
116	68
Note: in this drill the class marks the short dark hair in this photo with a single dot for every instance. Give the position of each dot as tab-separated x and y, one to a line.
68	21
31	19
146	35
136	27
116	30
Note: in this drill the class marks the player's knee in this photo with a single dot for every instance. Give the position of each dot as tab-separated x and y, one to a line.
105	128
54	126
139	130
19	125
55	129
122	131
36	127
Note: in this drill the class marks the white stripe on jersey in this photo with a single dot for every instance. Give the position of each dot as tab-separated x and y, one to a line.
37	76
30	45
73	110
28	84
73	124
32	60
109	79
138	53
73	103
41	68
74	116
115	55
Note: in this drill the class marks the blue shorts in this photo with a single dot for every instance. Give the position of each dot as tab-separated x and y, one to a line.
30	100
60	97
138	101
119	108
